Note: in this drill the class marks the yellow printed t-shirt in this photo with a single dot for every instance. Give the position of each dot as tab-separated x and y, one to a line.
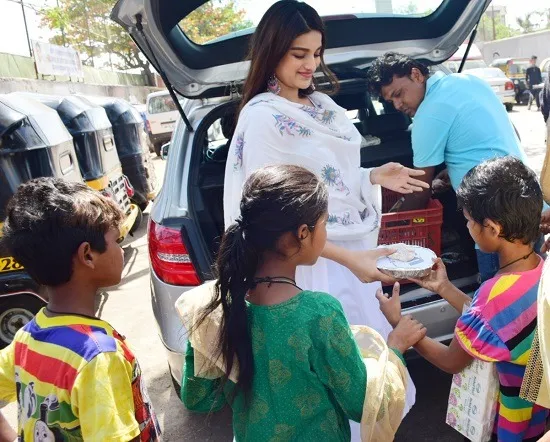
74	378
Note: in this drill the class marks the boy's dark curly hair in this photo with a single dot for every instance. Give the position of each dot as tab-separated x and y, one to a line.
391	64
48	219
507	192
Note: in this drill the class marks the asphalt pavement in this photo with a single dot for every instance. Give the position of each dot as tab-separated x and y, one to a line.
128	308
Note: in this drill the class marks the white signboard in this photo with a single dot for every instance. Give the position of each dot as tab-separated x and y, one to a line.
56	60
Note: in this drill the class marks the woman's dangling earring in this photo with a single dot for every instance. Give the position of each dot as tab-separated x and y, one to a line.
312	86
273	85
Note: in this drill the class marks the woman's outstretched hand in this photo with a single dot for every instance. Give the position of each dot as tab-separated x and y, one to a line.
396	177
363	264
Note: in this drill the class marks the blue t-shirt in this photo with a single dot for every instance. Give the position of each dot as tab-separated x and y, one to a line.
461	123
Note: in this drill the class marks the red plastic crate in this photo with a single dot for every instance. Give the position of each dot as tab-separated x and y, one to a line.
415	227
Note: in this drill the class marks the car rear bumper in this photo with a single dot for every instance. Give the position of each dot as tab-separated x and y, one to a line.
172	333
508	97
437	315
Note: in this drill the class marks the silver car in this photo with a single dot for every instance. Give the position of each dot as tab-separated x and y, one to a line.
499	82
186	220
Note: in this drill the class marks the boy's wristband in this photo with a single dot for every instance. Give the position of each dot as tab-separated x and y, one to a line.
399	355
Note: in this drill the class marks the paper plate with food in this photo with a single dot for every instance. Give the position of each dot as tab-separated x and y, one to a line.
407	262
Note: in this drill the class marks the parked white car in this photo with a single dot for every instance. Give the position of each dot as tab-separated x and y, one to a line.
499	82
162	114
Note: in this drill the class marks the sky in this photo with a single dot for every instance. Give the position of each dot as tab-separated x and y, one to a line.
13	38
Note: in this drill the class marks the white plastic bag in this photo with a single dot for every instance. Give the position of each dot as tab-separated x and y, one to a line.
473	401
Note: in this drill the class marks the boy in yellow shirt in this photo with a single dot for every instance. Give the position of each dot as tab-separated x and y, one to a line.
72	375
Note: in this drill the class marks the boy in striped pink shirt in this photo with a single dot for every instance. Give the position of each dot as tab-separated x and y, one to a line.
502	201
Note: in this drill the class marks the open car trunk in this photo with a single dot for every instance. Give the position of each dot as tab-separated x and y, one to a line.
372	118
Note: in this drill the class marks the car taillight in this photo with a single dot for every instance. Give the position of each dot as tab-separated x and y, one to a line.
509	86
169	257
148	126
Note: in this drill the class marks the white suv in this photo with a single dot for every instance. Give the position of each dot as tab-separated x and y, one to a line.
186	220
162	115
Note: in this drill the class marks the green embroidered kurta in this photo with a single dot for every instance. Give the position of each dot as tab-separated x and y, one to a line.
309	375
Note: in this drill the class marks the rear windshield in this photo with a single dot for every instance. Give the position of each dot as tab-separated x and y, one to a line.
519	67
160	104
218	20
470	64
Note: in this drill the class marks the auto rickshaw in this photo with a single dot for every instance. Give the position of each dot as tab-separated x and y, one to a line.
95	148
515	69
128	129
33	143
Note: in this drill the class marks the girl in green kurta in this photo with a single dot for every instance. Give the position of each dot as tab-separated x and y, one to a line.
283	358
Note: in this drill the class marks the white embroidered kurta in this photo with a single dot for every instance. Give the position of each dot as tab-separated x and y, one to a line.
273	130
321	138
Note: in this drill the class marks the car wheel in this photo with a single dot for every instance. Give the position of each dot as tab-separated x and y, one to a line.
509	106
137	222
16	312
158	147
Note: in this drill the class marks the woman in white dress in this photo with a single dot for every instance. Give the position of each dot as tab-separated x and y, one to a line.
283	120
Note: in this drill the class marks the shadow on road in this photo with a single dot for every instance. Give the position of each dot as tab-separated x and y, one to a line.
180	424
426	421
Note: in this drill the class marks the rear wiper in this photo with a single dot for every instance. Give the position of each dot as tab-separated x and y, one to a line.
139	27
470	42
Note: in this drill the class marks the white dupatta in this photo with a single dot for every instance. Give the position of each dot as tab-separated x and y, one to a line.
273	130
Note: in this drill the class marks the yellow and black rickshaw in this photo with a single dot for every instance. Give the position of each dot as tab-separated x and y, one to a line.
96	151
33	143
515	69
131	145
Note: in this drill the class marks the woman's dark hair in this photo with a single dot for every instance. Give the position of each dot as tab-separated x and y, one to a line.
505	191
276	200
282	23
391	64
47	220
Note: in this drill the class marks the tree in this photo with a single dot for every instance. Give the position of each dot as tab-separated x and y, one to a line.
86	26
214	19
525	22
412	9
490	29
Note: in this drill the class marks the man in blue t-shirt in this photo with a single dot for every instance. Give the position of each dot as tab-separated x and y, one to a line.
458	121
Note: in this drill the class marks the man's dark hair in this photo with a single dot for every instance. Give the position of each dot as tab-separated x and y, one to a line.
534	57
505	191
391	64
48	219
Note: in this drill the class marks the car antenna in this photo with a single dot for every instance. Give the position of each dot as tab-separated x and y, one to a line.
139	27
467	51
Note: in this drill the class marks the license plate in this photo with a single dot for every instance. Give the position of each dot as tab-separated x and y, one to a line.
168	125
8	264
496	88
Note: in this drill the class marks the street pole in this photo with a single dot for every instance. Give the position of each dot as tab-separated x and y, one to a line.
493	16
26	27
62	28
108	44
88	30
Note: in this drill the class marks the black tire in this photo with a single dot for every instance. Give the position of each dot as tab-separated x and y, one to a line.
137	222
509	106
158	147
143	206
15	312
